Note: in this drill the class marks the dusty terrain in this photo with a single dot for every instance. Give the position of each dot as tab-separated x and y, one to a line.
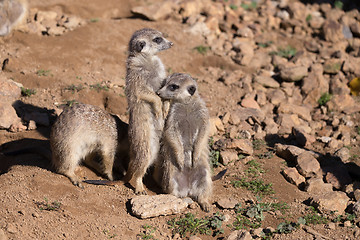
92	55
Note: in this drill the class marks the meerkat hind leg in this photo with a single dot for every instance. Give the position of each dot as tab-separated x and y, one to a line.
201	187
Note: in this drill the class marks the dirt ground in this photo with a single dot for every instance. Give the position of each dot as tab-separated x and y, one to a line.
96	53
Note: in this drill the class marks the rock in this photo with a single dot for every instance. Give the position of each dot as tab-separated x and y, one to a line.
240	235
288	152
332	201
356	209
249	103
351	65
344	154
267	81
317	185
276	96
242	145
11	228
158	205
46	16
355	29
190	8
331	226
199	28
343	103
338	177
8	115
244	52
228	156
301	111
217	123
72	22
357	194
293	176
233	77
31	125
302	138
56	31
155	11
17	127
332	31
287	122
9	90
227	203
332	66
307	165
242	114
293	74
347	224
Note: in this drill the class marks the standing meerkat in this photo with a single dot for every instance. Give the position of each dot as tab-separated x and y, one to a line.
145	74
81	132
13	15
183	168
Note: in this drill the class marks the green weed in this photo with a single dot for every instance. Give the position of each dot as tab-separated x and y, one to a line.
148	231
94	20
248	6
325	97
258	144
71	103
338	4
287	227
214	155
27	92
256	186
190	225
314	218
73	88
287	52
46	205
265	44
308	18
358	130
202	49
108	234
233	6
43	72
98	87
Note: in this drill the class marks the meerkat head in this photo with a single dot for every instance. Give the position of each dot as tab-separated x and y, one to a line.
179	87
148	41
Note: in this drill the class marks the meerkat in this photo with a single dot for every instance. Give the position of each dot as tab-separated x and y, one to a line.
145	74
13	14
80	132
183	168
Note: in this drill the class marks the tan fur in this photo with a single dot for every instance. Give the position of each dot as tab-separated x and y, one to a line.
145	75
13	14
183	168
80	132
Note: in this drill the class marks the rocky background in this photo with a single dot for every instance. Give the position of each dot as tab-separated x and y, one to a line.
281	81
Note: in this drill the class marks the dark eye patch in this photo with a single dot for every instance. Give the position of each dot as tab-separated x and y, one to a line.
157	40
173	87
192	90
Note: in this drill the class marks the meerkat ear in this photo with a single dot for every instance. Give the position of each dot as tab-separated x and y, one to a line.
192	90
139	45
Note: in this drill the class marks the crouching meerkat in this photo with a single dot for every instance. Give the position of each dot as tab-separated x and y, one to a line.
183	168
82	131
13	15
145	74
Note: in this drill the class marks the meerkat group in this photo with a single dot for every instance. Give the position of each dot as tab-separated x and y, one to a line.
168	128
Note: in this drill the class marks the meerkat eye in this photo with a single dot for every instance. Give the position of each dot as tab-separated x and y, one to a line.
173	87
157	40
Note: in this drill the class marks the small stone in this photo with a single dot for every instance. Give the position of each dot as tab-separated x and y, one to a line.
8	115
31	125
158	205
250	103
307	164
45	15
242	145
72	22
288	152
293	74
276	96
245	52
317	185
240	235
332	66
11	228
194	238
293	176
228	156
267	81
301	111
332	31
347	224
338	177
331	225
355	29
357	194
302	138
17	127
227	203
331	201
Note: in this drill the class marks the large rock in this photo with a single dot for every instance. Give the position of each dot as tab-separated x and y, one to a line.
267	81
155	11
158	205
288	152
244	52
293	74
301	111
332	31
293	176
317	185
242	145
227	203
307	165
8	115
228	156
332	66
331	201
